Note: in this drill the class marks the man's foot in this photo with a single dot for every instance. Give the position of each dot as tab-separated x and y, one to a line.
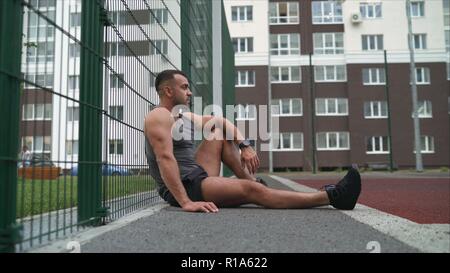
345	193
260	180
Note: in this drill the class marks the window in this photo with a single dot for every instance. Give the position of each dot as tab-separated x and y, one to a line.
243	45
424	109
38	144
40	52
370	10
447	40
241	14
37	111
116	81
285	74
116	112
372	42
375	109
38	26
43	4
283	13
332	107
333	141
160	15
71	147
420	41
377	145
328	43
426	145
288	141
118	17
422	75
74	82
244	78
285	44
326	12
448	71
374	76
116	147
330	73
73	113
74	51
417	9
75	19
44	80
247	112
117	49
159	47
287	107
446	7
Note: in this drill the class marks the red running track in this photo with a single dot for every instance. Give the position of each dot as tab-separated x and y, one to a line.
422	200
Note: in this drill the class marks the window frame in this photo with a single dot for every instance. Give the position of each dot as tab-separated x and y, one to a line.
279	73
327	140
425	74
247	78
365	38
364	9
335	18
379	104
239	10
276	20
323	49
327	103
380	75
274	105
335	73
421	9
290	50
116	144
428	109
280	146
380	140
237	46
243	112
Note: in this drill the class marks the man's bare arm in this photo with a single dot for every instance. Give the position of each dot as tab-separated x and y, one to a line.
158	130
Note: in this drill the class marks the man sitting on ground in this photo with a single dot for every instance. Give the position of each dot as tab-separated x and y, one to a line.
190	179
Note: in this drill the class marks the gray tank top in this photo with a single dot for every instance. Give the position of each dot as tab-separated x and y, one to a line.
183	150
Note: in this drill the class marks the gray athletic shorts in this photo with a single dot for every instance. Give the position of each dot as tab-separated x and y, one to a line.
193	184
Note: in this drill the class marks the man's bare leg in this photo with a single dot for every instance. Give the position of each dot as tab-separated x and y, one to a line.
211	153
227	192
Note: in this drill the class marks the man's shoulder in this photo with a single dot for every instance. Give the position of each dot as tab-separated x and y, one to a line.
159	116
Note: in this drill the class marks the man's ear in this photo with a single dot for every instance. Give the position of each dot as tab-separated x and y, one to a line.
167	91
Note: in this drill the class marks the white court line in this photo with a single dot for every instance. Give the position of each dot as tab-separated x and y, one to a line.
86	236
434	238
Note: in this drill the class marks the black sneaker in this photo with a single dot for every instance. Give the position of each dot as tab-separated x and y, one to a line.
260	180
345	193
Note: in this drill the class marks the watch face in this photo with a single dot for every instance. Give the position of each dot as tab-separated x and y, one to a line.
244	143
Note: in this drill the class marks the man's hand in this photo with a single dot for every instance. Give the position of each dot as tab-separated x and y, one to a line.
249	159
200	207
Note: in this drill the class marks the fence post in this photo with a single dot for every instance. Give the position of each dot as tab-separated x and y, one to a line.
185	44
10	60
90	209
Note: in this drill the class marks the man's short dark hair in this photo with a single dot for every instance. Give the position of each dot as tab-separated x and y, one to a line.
167	75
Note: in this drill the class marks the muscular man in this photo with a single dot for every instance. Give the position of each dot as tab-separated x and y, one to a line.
190	178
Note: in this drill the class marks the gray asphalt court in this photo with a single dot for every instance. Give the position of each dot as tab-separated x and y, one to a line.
251	229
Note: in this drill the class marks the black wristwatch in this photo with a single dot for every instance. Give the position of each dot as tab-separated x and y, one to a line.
244	144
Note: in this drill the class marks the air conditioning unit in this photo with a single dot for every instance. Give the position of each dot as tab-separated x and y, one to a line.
356	18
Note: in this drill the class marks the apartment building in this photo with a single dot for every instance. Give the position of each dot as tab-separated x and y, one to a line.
321	67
